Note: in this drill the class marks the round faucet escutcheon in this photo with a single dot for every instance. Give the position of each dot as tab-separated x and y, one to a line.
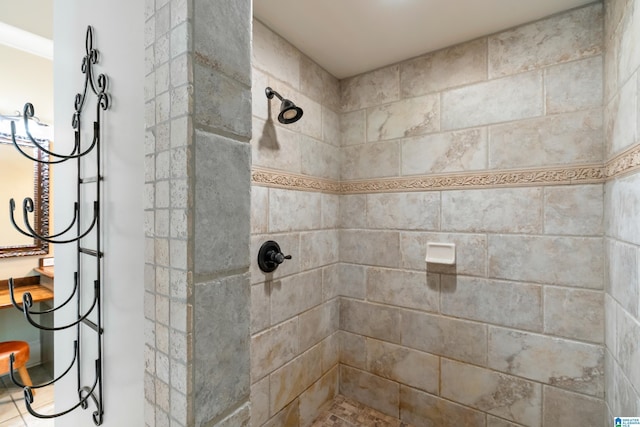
270	256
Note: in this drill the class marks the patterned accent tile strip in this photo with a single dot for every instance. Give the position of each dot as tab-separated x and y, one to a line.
626	162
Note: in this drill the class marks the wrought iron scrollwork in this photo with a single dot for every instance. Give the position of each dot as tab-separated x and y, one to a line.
90	317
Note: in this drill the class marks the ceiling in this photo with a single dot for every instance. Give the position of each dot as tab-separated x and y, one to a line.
349	37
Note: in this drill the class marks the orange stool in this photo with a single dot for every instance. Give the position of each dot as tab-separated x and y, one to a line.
21	351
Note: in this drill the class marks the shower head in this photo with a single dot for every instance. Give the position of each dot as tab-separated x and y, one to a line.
289	112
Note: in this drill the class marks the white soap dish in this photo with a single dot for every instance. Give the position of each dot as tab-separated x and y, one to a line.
441	253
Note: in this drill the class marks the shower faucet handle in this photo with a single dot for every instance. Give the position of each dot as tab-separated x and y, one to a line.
277	257
270	256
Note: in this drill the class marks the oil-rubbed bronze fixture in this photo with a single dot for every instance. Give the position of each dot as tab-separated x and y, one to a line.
270	256
289	112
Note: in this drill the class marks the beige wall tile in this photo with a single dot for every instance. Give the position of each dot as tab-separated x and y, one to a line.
610	67
471	252
445	152
273	54
508	210
318	84
628	345
622	199
273	348
291	210
259	209
404	288
562	38
357	161
621	119
622	398
292	379
422	409
566	409
403	364
330	127
547	141
259	402
629	53
346	280
503	303
330	210
457	339
378	248
498	422
274	147
614	11
610	323
372	320
353	130
259	100
498	394
574	210
408	117
574	86
623	275
405	211
568	261
566	364
574	313
318	323
373	391
455	66
353	350
287	417
295	294
318	248
353	211
330	347
319	159
370	89
510	98
321	392
260	307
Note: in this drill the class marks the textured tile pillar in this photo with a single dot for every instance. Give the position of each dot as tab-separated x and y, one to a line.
198	118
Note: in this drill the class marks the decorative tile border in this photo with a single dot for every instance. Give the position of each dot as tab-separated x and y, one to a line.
485	179
625	162
279	179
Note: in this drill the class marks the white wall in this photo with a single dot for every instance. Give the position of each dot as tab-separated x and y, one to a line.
118	35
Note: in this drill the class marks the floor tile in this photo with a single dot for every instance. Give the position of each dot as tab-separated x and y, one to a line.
8	409
345	412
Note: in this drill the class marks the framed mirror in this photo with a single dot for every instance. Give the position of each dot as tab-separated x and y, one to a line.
21	178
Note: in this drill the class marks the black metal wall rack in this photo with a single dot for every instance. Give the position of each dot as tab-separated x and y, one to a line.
88	241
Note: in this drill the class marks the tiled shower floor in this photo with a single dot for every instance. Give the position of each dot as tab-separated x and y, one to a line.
13	413
344	412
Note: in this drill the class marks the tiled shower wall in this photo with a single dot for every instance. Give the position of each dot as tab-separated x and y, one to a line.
294	323
514	332
496	145
197	201
622	201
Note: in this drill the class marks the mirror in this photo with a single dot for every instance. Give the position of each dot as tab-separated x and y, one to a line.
21	178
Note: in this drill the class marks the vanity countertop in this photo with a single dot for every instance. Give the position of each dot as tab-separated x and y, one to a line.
38	292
